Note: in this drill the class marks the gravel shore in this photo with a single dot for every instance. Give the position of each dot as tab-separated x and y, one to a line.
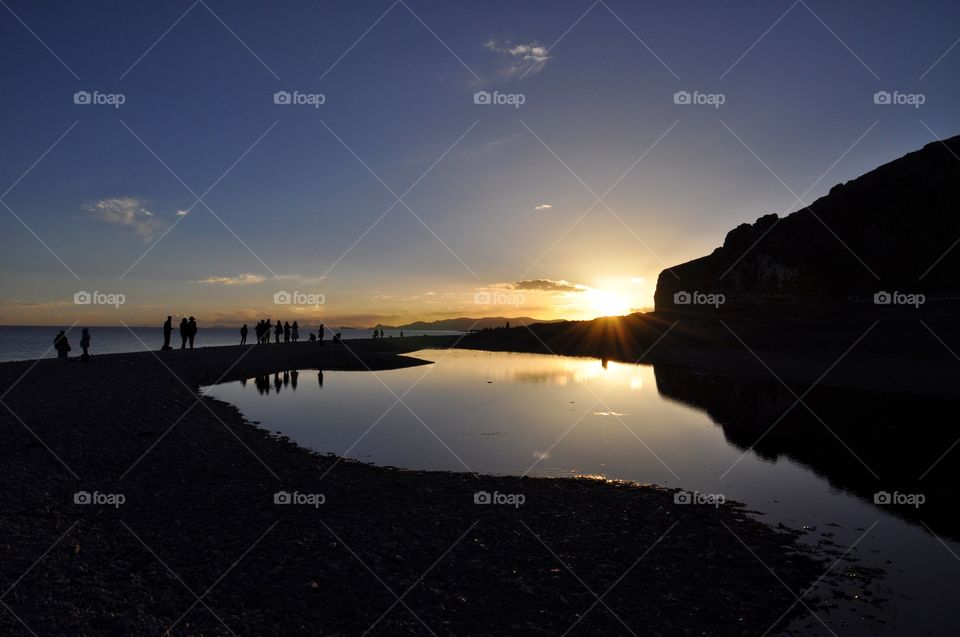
200	545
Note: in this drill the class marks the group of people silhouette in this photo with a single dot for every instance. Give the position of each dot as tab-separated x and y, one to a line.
264	329
62	344
188	332
282	332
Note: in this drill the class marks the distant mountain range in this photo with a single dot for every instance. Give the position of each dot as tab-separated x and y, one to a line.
896	228
463	324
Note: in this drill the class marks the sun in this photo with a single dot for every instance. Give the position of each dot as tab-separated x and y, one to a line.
604	303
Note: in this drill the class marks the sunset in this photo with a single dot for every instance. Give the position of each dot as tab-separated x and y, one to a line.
409	317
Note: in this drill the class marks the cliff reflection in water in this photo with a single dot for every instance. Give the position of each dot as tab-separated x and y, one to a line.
862	442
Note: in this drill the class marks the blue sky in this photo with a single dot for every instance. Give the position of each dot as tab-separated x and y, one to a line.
296	192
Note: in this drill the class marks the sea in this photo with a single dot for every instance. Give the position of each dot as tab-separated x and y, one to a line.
31	342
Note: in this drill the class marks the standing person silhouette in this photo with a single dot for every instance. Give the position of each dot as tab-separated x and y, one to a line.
243	335
295	332
85	345
192	330
320	335
184	332
167	331
278	331
61	344
286	331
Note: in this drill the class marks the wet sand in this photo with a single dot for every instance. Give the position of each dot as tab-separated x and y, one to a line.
199	518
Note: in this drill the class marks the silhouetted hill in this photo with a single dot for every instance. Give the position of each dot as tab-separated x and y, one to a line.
893	228
463	324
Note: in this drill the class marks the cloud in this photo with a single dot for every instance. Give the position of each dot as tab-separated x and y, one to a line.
518	60
545	285
129	212
182	213
240	279
543	206
487	147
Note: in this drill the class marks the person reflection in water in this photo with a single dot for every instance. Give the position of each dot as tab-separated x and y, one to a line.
294	376
320	379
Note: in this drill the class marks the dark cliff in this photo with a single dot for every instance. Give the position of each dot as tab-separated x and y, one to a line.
894	228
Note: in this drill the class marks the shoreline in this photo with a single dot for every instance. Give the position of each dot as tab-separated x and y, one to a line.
199	483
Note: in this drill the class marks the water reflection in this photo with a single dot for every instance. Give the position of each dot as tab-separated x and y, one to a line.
280	380
866	443
815	465
551	415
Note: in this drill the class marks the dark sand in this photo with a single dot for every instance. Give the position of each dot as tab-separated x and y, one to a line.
199	519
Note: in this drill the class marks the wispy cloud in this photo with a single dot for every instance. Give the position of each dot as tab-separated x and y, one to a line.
545	285
543	206
129	212
182	213
240	279
487	147
518	60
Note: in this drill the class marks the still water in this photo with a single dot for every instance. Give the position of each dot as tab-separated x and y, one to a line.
819	466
